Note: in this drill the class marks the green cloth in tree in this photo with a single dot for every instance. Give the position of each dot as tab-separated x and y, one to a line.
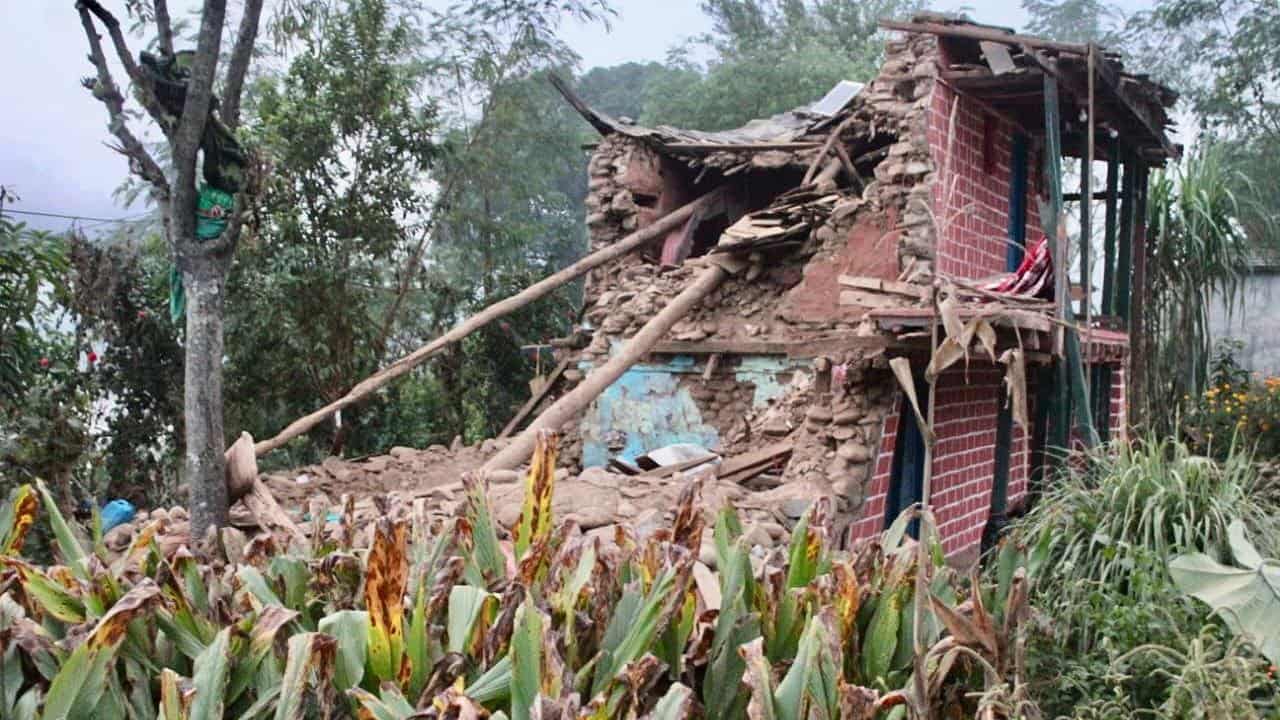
213	207
177	295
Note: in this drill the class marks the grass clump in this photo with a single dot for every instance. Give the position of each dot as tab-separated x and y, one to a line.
1118	639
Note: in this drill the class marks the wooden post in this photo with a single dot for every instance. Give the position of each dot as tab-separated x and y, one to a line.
1086	229
1124	254
1135	384
503	307
575	401
1109	242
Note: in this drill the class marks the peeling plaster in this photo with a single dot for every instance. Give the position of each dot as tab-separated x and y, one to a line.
648	408
644	410
771	375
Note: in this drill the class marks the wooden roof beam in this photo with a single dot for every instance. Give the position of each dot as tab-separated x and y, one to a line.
979	33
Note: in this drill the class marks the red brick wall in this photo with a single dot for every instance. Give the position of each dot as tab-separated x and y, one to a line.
971	191
964	459
1118	420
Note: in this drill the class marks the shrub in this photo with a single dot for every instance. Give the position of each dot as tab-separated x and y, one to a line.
1245	412
1112	619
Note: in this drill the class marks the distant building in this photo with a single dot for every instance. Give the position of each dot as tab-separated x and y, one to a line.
1253	317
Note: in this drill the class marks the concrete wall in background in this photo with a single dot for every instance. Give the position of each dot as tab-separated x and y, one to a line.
1254	320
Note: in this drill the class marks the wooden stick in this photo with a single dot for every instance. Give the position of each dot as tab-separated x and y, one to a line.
1086	225
576	400
504	307
832	139
535	399
981	33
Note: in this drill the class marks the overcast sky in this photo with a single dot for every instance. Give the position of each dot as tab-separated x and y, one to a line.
53	134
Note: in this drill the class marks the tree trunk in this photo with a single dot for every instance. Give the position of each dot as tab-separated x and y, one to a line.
205	285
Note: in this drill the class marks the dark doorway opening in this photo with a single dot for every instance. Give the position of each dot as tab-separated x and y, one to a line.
906	481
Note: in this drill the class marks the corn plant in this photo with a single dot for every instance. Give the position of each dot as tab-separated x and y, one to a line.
461	618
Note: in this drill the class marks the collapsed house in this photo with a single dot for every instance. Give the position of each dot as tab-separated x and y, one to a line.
865	300
877	314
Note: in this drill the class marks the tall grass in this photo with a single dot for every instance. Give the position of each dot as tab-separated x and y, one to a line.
1197	252
1114	517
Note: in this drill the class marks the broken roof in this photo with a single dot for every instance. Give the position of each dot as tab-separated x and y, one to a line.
1002	69
1007	71
780	131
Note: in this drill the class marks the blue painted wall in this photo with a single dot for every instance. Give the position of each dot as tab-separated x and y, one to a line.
647	408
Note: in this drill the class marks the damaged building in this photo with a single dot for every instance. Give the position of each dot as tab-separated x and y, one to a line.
869	299
870	281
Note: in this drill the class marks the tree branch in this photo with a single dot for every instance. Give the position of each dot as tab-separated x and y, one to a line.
238	66
164	26
141	85
195	113
104	89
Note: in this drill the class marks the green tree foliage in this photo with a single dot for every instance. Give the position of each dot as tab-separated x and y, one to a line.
1078	21
516	218
32	267
423	169
1225	59
351	143
768	56
620	90
119	298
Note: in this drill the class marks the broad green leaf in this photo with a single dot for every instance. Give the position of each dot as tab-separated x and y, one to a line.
295	574
487	558
65	539
82	679
418	643
467	607
209	678
309	654
735	625
882	636
51	596
1247	600
258	586
1244	553
266	626
641	631
727	531
350	628
374	707
494	685
526	660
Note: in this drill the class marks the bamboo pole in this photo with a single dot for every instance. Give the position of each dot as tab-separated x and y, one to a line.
576	400
499	309
1086	227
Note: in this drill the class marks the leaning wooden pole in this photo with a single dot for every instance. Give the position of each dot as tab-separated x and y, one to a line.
535	291
576	400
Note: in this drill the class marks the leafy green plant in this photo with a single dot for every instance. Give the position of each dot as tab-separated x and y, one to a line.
1199	251
1115	516
450	620
1109	526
